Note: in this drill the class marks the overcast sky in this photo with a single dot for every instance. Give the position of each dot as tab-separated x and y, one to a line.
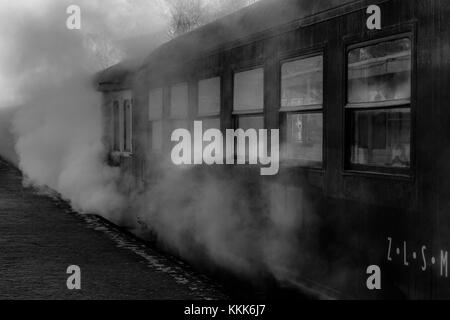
45	19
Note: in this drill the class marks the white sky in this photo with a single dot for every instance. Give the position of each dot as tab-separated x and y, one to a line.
111	19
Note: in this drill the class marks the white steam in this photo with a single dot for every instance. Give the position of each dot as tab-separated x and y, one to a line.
46	74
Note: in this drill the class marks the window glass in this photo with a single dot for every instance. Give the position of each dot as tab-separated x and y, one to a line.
245	123
116	126
305	137
248	122
157	135
209	97
302	82
155	109
127	126
380	72
210	123
249	90
179	101
382	138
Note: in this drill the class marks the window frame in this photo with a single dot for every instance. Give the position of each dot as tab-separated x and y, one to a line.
171	86
153	120
315	51
350	108
128	126
211	116
124	131
247	113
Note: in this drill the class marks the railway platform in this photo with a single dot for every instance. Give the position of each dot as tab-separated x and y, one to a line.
40	237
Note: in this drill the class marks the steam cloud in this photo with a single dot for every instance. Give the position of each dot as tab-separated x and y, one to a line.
56	123
48	103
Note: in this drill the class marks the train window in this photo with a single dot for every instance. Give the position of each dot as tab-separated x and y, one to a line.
209	103
379	110
155	104
179	101
251	122
380	73
209	97
305	137
116	127
211	123
302	83
249	91
127	125
246	122
381	138
155	117
302	105
248	108
157	135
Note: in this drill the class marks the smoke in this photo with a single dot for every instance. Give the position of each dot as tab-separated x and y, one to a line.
56	124
46	72
232	218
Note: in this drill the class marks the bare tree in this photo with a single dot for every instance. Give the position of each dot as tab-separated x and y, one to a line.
186	15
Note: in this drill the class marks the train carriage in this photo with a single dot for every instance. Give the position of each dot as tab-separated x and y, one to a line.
363	127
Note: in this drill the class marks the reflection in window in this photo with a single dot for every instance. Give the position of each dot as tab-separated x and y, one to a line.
249	91
305	137
179	101
380	72
302	82
381	132
209	97
382	138
302	100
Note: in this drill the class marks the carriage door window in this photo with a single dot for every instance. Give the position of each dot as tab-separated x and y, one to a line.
209	103
155	112
116	127
179	106
302	105
248	106
127	125
379	105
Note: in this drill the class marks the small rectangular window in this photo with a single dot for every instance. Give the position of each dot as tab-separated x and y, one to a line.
155	105
209	103
116	127
302	104
127	125
251	122
245	123
155	114
249	91
302	84
380	72
378	108
209	97
381	138
179	101
210	123
157	136
305	136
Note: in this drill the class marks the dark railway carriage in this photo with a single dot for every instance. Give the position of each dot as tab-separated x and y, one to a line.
363	121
